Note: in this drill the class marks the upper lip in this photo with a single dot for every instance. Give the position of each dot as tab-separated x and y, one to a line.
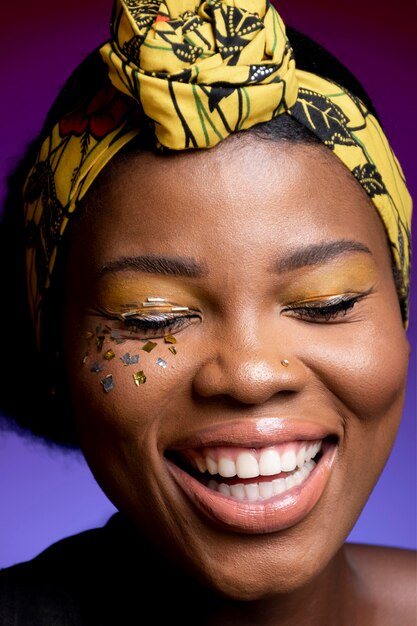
257	433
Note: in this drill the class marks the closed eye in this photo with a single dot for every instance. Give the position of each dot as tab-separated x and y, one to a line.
327	310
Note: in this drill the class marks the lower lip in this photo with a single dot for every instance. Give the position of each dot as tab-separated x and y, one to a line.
268	516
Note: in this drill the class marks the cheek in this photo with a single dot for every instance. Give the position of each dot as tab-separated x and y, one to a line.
113	391
122	386
362	374
123	431
365	368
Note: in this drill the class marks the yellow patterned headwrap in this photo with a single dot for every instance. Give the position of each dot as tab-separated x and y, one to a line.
196	71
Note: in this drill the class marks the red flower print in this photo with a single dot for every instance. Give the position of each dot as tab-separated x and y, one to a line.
99	117
162	18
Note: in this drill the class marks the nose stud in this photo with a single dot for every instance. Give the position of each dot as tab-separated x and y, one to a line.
285	363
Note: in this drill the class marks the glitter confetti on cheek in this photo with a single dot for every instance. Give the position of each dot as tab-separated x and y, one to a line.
96	368
88	335
127	359
139	378
99	342
109	355
115	336
161	362
172	349
170	339
108	383
149	346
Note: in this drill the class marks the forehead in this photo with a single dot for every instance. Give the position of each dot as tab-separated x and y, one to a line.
246	196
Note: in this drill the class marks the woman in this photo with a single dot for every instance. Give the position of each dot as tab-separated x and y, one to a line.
238	414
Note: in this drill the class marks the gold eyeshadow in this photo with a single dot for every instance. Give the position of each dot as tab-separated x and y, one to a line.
110	293
323	282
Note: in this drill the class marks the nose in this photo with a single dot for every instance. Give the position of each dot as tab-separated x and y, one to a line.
250	371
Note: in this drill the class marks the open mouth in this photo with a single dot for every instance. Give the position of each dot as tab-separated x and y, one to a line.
252	474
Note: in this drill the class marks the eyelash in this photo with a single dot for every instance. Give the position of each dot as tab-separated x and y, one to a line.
327	311
158	324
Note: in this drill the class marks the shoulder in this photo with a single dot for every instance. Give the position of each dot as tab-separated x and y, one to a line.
94	578
48	590
389	577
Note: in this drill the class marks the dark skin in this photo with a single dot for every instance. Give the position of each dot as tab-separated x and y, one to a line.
239	211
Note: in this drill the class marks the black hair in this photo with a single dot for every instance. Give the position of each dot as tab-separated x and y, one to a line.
28	402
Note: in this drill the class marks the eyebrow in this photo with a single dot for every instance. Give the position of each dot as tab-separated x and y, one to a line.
189	267
317	254
152	264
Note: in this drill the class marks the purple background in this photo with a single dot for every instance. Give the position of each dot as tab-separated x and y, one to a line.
48	494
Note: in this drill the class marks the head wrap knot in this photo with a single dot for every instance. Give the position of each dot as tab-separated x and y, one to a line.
198	62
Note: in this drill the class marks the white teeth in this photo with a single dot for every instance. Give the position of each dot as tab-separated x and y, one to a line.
279	486
211	466
238	491
298	477
308	454
252	492
289	482
247	465
269	462
266	490
316	449
255	492
301	457
227	467
224	489
288	461
312	451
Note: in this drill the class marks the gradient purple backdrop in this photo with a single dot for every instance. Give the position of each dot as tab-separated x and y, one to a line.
47	494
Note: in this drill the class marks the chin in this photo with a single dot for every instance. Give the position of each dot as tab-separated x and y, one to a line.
251	586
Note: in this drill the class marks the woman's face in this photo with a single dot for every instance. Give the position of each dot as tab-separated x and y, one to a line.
292	347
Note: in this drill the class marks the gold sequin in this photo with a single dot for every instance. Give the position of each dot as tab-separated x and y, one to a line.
170	339
139	378
99	343
149	346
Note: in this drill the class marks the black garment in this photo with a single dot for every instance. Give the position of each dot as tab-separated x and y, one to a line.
107	576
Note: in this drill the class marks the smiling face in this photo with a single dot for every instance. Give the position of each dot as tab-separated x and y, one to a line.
247	437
